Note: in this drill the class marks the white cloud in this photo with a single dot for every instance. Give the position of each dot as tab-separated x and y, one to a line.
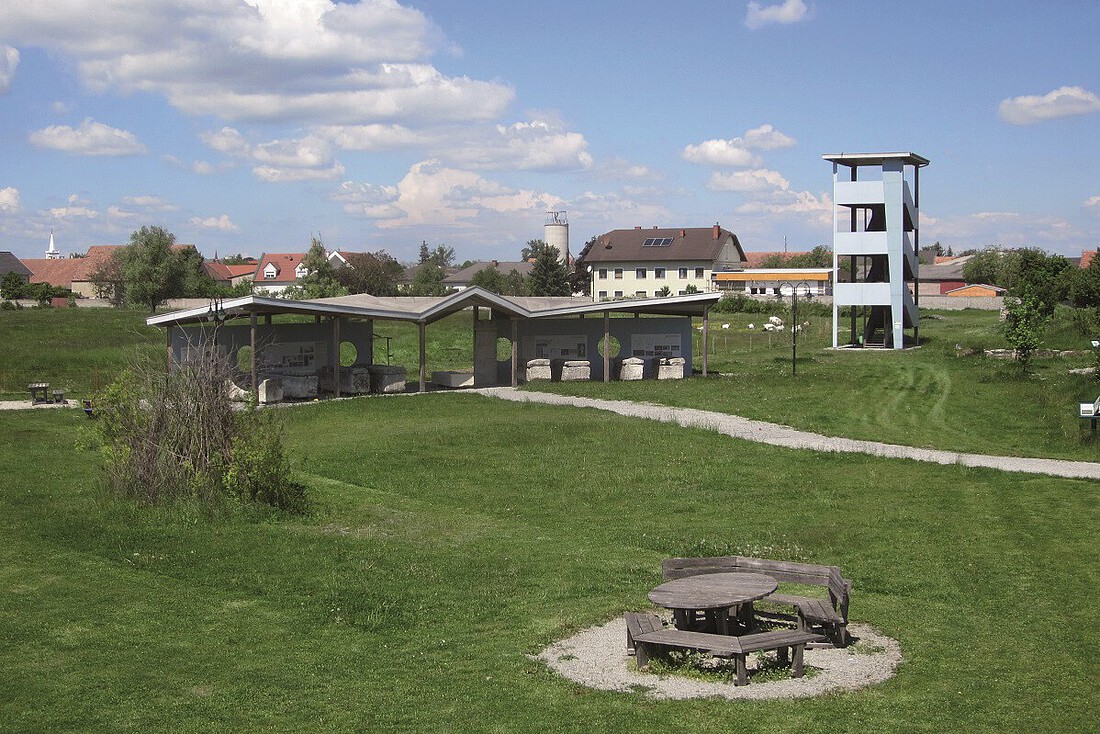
117	212
90	139
1062	102
789	11
1092	204
154	203
228	140
222	223
59	108
767	137
721	153
737	152
370	137
9	199
432	194
536	145
289	174
77	209
309	60
620	168
760	179
9	61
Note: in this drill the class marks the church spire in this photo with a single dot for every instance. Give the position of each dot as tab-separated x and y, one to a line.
52	253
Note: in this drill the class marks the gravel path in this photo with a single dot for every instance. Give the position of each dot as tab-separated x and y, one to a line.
596	657
777	435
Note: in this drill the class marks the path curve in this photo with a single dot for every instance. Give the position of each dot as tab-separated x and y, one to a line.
777	435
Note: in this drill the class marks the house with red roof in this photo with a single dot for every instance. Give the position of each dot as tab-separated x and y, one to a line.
278	271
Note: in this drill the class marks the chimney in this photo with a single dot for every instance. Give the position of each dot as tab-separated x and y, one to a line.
716	230
495	263
637	228
654	226
683	234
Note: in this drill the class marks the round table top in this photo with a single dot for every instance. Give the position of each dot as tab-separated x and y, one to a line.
713	590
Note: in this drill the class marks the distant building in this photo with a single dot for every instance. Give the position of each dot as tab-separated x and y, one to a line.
278	271
229	275
74	273
9	263
641	263
463	278
776	281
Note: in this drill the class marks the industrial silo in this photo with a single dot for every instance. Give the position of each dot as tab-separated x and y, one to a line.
556	233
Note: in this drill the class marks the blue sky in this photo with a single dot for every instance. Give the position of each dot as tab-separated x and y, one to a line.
251	125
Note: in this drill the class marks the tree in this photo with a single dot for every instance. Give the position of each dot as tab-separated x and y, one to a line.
1027	271
442	255
534	248
375	273
1083	285
107	280
548	275
151	272
1023	320
491	279
428	280
819	257
13	286
320	278
237	259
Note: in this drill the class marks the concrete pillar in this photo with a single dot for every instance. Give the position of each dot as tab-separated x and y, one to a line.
423	357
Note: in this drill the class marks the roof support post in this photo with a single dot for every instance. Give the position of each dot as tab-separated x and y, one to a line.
336	356
421	326
252	343
607	346
515	350
706	337
370	342
168	351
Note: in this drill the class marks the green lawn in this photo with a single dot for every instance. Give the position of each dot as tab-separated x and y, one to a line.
944	395
455	535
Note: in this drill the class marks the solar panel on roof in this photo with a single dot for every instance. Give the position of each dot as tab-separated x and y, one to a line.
657	242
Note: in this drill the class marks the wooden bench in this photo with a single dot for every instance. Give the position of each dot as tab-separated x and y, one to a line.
829	614
647	635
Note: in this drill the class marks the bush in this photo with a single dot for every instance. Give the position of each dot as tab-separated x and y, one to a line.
175	437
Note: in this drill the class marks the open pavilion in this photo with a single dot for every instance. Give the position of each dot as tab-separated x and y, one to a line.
533	327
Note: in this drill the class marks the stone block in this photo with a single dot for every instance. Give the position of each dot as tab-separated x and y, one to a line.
538	369
632	368
385	378
671	368
354	380
298	385
271	391
447	378
571	370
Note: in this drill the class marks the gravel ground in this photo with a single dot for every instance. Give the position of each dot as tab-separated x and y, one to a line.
597	658
26	405
777	435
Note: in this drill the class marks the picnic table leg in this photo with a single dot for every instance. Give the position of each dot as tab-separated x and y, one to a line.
781	655
641	654
796	664
742	670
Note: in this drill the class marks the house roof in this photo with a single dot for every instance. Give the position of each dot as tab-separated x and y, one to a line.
9	263
703	244
285	264
995	288
63	272
875	159
429	310
1087	258
410	273
465	275
951	270
216	270
776	274
756	259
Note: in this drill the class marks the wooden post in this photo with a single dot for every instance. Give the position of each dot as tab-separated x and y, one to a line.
168	351
607	346
515	350
370	342
423	358
336	356
252	343
706	335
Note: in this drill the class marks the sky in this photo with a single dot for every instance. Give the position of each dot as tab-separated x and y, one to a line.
250	126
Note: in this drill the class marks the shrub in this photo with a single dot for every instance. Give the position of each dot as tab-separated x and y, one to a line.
178	436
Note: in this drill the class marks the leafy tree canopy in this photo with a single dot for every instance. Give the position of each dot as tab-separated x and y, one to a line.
375	273
549	276
320	279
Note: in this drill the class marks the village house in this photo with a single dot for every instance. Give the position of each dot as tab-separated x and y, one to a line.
643	263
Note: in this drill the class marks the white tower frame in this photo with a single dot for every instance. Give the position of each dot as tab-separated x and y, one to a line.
878	238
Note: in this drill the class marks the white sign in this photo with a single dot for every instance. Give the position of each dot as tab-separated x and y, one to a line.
655	345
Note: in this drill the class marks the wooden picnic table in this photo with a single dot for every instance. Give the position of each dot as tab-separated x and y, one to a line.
39	392
714	594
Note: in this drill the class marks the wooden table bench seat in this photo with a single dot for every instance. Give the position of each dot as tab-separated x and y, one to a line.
831	614
647	643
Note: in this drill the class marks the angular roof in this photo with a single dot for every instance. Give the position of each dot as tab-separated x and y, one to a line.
429	310
701	244
9	263
952	270
1086	258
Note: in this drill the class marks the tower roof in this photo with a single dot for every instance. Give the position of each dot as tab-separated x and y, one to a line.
875	159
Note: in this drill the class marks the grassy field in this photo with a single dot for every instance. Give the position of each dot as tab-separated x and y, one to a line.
452	536
944	395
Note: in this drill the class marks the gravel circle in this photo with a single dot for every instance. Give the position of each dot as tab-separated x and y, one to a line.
778	435
596	658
